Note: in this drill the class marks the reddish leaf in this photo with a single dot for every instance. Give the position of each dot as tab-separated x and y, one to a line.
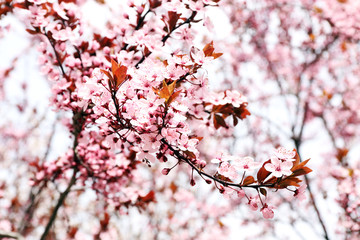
167	91
263	173
171	87
235	120
300	165
191	155
154	3
272	180
208	49
105	221
148	197
120	75
297	159
173	96
216	55
289	181
72	232
31	31
216	108
219	121
173	18
223	178
173	187
226	109
107	74
114	66
301	171
20	5
248	180
263	191
341	153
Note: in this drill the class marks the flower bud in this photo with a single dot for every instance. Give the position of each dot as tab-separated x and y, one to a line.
202	164
165	171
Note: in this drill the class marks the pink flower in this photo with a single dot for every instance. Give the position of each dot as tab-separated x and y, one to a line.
198	111
229	193
235	98
283	153
241	193
199	57
183	60
267	212
300	192
253	204
245	164
196	6
165	171
278	168
227	170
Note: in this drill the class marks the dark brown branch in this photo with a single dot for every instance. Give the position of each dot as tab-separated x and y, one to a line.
31	207
60	202
56	55
164	39
188	20
201	173
141	20
312	198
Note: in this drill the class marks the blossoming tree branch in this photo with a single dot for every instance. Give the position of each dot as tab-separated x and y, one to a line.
137	93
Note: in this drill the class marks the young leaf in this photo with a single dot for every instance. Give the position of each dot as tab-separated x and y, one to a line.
300	165
248	180
173	96
263	173
219	121
107	74
263	191
120	75
208	49
289	181
301	171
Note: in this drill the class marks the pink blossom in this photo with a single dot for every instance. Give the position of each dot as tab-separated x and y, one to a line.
196	6
227	170
235	98
253	204
300	192
240	193
278	168
284	154
200	58
230	193
245	164
267	212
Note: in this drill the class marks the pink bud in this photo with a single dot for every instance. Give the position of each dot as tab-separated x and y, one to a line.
192	182
241	193
253	205
267	212
165	171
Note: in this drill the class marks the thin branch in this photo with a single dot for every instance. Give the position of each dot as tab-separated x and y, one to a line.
188	20
56	54
60	202
201	173
165	38
312	198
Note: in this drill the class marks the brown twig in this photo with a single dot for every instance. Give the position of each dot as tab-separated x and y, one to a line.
60	202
